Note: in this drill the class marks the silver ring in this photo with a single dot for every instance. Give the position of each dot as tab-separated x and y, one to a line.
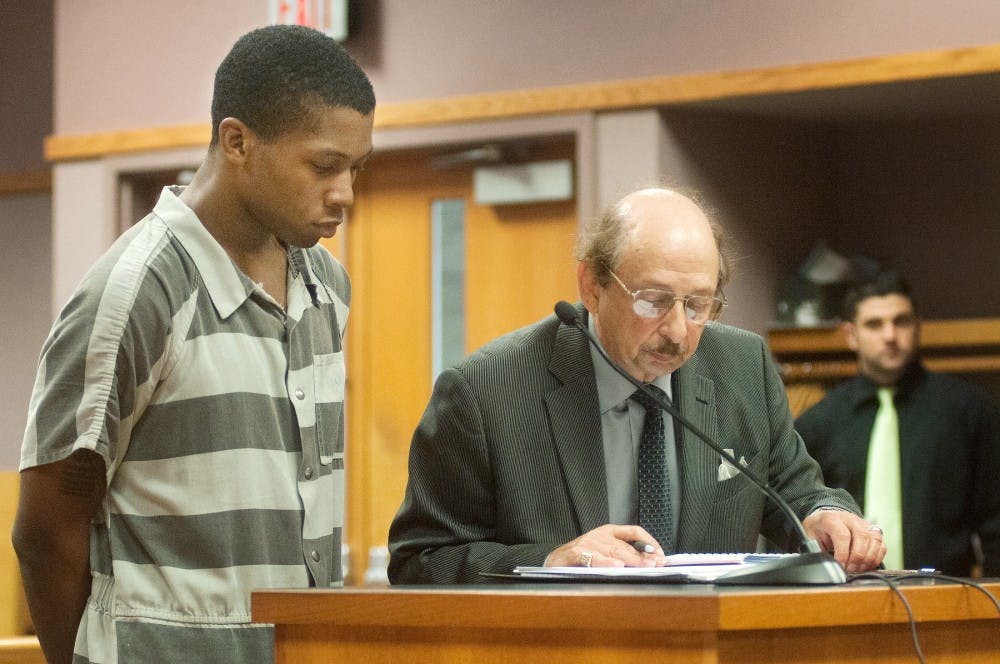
875	529
585	558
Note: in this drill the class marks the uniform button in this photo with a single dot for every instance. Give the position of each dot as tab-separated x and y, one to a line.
299	394
309	472
314	555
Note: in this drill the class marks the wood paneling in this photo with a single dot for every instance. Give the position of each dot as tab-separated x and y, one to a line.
620	623
14	619
520	260
26	182
21	650
89	146
968	345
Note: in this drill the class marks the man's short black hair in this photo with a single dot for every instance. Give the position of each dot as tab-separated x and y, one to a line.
274	77
882	284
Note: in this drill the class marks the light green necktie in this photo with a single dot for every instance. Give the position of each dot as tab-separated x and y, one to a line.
883	497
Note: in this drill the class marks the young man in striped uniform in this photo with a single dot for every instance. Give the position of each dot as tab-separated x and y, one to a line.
185	438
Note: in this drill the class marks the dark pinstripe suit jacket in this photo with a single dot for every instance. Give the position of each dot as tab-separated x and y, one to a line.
507	462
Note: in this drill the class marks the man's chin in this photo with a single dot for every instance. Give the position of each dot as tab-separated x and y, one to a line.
895	364
328	232
303	243
324	231
660	367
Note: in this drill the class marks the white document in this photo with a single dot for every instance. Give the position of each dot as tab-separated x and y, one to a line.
693	567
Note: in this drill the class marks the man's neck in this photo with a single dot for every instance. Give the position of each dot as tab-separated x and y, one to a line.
260	256
269	269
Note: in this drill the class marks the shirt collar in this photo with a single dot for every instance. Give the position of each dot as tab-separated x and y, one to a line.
867	389
226	284
299	264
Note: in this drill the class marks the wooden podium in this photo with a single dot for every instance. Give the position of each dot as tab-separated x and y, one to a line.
560	623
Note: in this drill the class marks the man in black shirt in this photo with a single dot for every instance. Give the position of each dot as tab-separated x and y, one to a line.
920	448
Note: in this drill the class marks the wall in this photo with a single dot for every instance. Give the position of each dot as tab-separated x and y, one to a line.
940	180
25	82
26	255
415	51
25	282
760	177
159	70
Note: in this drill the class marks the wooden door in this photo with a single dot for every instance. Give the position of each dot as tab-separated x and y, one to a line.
519	262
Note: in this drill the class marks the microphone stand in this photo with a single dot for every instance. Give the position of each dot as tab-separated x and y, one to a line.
814	567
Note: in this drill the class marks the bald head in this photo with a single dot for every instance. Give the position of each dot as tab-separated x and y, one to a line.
653	220
657	201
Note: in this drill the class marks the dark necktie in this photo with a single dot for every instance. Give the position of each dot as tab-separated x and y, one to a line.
655	510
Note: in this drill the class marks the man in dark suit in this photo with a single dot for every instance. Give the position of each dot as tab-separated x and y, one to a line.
530	450
944	440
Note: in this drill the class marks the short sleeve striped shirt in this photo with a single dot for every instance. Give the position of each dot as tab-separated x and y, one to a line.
219	417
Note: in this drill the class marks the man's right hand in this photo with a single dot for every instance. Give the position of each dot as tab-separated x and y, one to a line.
608	546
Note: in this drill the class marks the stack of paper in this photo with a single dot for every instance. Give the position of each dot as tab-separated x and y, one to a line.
679	568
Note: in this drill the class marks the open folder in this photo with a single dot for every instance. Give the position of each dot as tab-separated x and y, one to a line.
720	568
691	567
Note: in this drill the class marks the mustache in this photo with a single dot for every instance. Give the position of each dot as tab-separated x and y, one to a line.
667	347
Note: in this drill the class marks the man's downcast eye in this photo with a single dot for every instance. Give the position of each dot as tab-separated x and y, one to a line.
700	303
646	308
663	300
656	298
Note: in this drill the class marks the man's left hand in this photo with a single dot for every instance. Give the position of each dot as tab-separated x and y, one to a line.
855	543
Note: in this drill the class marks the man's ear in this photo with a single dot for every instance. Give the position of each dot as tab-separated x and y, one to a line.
850	331
235	140
586	283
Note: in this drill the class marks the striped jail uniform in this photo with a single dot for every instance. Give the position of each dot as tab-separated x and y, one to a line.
219	417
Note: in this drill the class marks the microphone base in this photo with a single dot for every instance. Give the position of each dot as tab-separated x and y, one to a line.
814	569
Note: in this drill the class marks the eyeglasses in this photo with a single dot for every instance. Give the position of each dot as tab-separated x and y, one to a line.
653	303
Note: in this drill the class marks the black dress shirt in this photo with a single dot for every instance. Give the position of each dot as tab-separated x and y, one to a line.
949	436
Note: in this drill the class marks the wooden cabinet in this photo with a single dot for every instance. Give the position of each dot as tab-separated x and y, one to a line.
580	623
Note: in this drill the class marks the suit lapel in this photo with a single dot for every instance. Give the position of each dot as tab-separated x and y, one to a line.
574	414
697	463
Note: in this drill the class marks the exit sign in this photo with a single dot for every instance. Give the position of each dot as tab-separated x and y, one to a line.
329	16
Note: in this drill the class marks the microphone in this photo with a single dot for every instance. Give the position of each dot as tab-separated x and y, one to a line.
815	567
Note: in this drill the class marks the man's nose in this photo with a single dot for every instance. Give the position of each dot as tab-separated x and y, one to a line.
340	193
673	324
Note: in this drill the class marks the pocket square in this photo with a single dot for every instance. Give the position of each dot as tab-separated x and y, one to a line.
726	469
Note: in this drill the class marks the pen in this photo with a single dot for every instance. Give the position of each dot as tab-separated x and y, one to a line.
643	547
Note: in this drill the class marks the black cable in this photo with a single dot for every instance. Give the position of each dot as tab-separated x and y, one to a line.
894	581
906	604
954	579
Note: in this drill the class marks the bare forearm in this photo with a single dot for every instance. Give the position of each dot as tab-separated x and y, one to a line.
57	589
52	539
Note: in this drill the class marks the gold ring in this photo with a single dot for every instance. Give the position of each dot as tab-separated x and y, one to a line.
585	558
